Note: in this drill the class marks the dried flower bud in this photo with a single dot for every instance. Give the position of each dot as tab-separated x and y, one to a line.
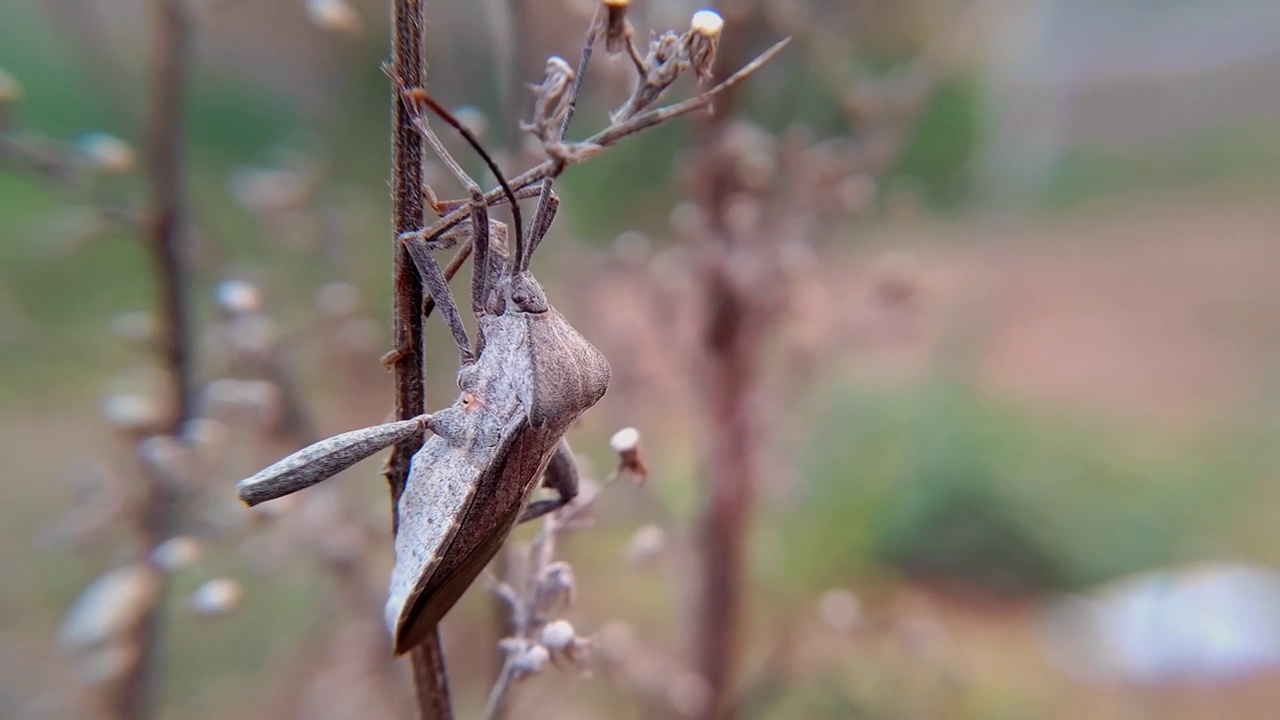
551	103
333	15
216	597
238	297
626	442
648	542
701	42
10	88
553	589
616	30
107	152
110	606
527	657
176	553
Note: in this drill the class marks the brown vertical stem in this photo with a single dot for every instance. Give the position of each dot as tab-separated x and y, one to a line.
408	18
730	342
166	243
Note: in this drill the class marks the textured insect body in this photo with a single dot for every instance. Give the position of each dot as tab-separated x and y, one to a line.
472	482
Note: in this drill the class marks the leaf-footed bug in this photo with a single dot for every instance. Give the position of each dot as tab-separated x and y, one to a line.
533	377
529	378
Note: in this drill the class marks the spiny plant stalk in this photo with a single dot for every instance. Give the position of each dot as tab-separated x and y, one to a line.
408	20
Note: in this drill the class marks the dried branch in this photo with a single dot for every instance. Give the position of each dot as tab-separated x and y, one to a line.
166	241
408	69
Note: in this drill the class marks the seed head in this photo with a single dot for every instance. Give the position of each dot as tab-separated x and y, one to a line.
702	40
626	442
553	590
617	30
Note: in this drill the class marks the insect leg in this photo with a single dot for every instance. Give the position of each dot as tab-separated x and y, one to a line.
433	279
548	203
561	476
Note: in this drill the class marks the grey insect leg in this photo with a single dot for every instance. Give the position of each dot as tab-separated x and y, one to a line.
561	476
433	280
548	203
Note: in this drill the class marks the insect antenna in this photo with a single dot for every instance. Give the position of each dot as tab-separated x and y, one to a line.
421	95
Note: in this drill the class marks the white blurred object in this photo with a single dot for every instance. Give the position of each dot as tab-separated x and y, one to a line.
1209	623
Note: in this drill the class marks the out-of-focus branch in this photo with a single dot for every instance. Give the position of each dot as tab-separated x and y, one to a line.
733	326
407	68
166	243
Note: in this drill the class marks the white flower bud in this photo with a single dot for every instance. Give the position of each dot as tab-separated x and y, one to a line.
626	442
333	15
216	598
558	635
107	152
702	41
238	296
176	553
646	545
131	413
110	606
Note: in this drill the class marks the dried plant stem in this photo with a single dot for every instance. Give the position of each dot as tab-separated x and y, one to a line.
166	242
408	213
731	343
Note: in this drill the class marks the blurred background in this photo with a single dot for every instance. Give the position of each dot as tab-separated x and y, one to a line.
1000	430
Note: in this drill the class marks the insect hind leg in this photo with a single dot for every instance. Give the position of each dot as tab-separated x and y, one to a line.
562	477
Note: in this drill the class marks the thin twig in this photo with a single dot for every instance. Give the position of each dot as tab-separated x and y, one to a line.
573	153
408	213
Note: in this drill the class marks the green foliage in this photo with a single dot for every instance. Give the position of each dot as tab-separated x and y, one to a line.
946	136
954	485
